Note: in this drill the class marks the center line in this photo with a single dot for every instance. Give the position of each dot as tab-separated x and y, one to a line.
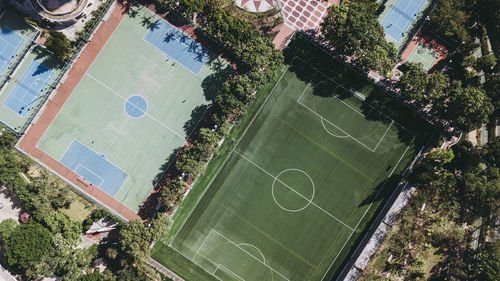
307	199
147	114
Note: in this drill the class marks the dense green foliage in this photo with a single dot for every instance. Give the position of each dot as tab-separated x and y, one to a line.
451	18
257	62
461	189
58	44
26	245
468	107
353	29
7	226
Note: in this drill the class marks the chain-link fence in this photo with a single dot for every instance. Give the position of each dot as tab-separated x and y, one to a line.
82	41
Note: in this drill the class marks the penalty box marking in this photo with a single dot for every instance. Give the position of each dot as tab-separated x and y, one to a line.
331	123
237	246
228	270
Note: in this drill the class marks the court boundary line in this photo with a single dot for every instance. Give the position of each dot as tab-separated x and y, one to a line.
366	211
161	18
228	270
147	114
134	105
237	246
330	133
298	100
85	167
228	156
116	166
27	89
351	92
302	196
271	93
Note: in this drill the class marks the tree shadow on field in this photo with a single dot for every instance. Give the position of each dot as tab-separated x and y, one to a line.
213	82
388	185
148	206
328	76
43	57
196	116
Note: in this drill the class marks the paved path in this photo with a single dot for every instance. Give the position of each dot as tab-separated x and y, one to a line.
163	270
29	141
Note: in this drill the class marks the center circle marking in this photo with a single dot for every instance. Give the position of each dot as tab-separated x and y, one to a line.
136	106
309	200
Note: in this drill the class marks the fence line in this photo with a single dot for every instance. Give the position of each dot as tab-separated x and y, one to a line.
67	65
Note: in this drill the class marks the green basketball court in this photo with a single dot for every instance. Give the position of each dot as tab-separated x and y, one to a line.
134	108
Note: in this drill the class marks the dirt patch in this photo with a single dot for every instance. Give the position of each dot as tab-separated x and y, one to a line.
10	207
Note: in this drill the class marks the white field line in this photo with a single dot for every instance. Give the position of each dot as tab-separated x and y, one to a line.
224	163
203	243
361	219
255	247
352	108
147	114
330	133
230	241
383	136
364	102
317	114
226	269
307	199
195	263
80	165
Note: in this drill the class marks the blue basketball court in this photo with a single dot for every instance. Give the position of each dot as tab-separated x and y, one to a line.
94	167
10	43
177	45
400	17
29	88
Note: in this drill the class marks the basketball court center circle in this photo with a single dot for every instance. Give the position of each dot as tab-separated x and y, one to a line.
281	205
136	106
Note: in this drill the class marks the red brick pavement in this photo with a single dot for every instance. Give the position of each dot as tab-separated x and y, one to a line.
35	132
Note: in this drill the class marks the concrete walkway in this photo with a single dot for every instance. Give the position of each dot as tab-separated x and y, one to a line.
165	271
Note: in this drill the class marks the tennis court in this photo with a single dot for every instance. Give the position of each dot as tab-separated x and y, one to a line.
27	71
10	44
132	110
425	55
29	88
399	17
297	187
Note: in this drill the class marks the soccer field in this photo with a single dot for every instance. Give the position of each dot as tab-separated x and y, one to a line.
298	185
135	107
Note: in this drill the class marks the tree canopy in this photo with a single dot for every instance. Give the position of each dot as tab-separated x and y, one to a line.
450	17
27	243
58	43
353	29
468	107
413	83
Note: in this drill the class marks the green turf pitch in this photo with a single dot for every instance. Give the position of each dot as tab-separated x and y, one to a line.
297	185
94	113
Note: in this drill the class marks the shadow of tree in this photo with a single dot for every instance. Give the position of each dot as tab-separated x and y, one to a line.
213	82
196	115
325	73
148	206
